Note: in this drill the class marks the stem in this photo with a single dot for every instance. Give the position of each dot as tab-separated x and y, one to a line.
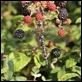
34	78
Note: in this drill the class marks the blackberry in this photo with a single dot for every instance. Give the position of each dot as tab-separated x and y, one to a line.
19	34
61	4
63	14
25	12
55	53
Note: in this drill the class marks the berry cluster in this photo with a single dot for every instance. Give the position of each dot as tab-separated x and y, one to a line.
34	14
38	13
62	17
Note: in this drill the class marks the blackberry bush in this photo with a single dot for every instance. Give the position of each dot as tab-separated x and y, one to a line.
40	42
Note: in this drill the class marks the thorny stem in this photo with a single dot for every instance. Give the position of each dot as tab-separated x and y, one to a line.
39	30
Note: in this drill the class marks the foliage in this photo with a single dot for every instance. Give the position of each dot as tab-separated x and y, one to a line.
19	63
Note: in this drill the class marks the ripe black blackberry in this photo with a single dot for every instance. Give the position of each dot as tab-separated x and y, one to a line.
61	4
19	34
55	53
63	14
25	12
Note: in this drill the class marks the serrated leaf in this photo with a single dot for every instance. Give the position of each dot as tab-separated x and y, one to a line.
78	20
67	76
20	78
70	63
20	61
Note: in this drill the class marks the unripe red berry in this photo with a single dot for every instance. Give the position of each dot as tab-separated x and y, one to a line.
28	19
51	6
50	44
39	16
61	32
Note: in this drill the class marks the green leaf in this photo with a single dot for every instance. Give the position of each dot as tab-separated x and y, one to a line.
67	76
10	65
37	62
70	63
16	19
20	61
20	78
56	69
77	69
35	75
61	72
38	75
4	70
43	78
54	15
25	27
2	47
8	75
5	66
78	20
13	79
35	70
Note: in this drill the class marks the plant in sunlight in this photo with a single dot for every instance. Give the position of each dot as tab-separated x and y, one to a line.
40	41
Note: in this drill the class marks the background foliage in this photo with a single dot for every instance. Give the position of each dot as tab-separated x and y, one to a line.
17	63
